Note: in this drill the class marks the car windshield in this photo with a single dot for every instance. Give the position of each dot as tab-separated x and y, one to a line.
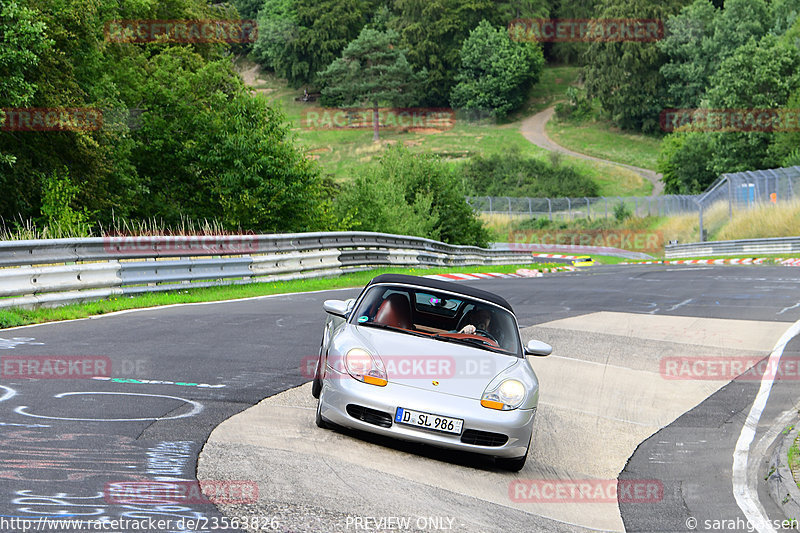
443	316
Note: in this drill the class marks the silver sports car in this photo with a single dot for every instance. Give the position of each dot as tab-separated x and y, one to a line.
429	361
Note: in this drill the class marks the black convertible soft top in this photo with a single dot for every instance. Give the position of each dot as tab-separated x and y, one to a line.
459	288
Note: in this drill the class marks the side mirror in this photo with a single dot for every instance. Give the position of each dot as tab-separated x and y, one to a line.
539	348
335	307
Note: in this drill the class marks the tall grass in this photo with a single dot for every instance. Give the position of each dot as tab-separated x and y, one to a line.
766	220
28	229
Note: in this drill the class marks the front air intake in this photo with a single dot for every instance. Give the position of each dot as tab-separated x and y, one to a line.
370	416
483	438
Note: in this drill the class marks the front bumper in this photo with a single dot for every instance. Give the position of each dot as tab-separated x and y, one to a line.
341	390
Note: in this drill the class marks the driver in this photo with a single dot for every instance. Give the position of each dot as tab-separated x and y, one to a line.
481	319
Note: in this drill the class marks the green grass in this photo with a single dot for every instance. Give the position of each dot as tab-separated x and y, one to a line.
550	89
21	317
600	139
770	257
341	153
607	259
794	460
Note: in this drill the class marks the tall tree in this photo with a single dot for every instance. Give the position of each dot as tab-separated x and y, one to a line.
625	76
773	74
496	73
22	43
700	38
299	39
373	70
433	31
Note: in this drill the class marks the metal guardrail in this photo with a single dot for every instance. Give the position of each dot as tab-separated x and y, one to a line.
60	271
776	245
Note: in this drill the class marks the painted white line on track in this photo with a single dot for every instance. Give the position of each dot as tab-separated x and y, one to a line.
674	307
197	407
788	308
9	393
746	496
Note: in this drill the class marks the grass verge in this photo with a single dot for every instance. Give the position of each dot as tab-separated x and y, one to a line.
342	152
21	317
769	258
794	460
600	139
762	221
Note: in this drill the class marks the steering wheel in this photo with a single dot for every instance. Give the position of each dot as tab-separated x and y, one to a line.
487	335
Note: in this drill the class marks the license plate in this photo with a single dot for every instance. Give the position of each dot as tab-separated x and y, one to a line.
430	421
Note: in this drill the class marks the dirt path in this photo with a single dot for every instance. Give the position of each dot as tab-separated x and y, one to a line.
533	129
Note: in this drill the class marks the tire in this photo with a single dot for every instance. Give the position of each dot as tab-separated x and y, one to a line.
514	464
316	384
321	422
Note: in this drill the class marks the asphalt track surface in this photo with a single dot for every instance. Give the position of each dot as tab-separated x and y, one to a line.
65	442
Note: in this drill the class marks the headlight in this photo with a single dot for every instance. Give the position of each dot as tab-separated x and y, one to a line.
508	395
365	367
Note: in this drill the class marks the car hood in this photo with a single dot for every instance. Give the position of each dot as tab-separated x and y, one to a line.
432	364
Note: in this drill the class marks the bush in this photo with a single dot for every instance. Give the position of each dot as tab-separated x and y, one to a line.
622	212
411	194
496	72
58	197
685	161
577	107
513	174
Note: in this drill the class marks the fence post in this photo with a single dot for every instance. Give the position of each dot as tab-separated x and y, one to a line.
606	202
701	222
509	205
588	208
490	205
569	207
530	208
550	209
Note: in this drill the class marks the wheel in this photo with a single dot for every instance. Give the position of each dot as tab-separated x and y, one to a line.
514	464
321	422
316	384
